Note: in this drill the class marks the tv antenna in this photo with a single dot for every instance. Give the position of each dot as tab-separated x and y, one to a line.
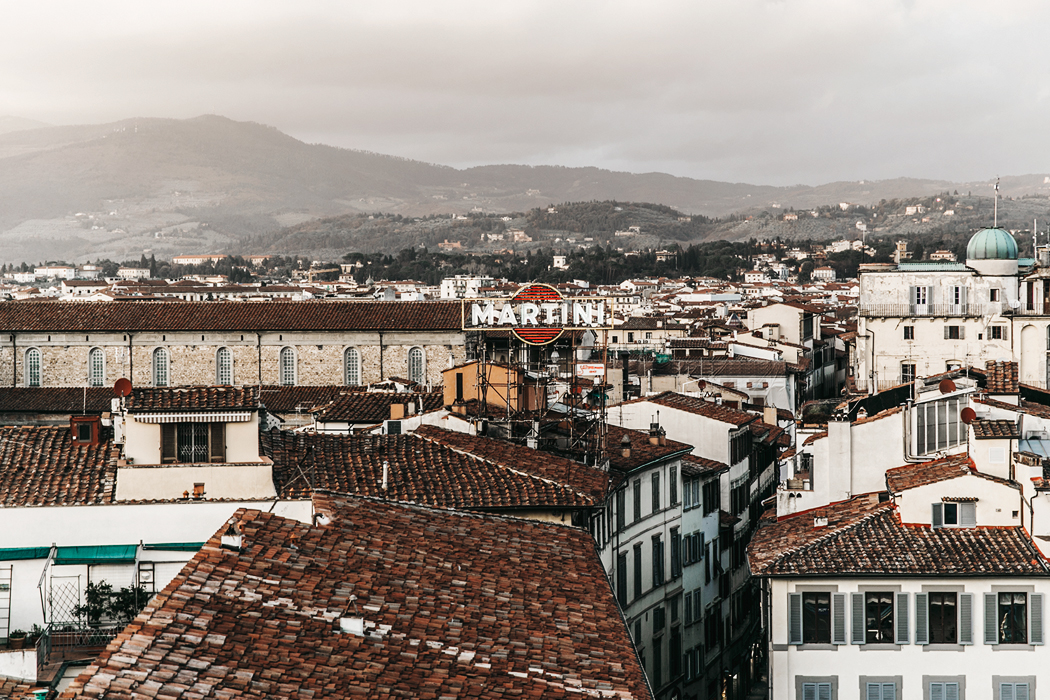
995	215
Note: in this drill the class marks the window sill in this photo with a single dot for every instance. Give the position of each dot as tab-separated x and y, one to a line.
816	647
944	647
1013	647
879	647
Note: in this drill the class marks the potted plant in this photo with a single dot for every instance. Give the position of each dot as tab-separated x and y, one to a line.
17	639
34	634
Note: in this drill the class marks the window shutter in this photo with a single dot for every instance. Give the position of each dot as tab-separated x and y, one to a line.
990	629
951	691
966	618
1020	691
968	514
1035	622
874	691
858	618
823	691
838	618
962	332
889	691
809	691
922	626
902	618
938	515
1006	691
167	442
217	443
795	618
963	294
936	691
946	332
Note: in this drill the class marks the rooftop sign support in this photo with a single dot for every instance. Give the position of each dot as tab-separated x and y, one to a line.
538	314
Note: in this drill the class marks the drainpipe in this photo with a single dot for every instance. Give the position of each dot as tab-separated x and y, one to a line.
871	372
258	346
381	375
131	360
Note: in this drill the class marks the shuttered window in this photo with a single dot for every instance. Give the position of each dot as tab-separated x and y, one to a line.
944	691
966	618
838	618
922	626
1013	691
1035	620
902	618
816	691
880	691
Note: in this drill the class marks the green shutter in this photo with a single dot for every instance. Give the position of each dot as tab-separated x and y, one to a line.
858	618
838	618
991	632
1035	622
922	625
795	618
902	618
966	618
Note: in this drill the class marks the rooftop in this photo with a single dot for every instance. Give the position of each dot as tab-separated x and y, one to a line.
698	407
643	452
242	398
374	407
42	466
995	429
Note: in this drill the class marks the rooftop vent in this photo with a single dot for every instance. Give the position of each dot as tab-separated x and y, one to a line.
820	521
232	537
352	625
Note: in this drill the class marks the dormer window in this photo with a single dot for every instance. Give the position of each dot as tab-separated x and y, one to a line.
192	442
950	514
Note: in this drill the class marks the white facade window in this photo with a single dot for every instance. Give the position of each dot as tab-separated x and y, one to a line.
287	377
417	365
1013	691
96	367
352	367
816	691
32	367
224	366
907	372
937	426
944	691
160	367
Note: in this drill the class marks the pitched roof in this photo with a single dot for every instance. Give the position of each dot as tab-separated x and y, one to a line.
865	537
418	471
92	400
911	476
210	316
298	399
1001	377
41	466
583	478
642	451
698	407
995	429
198	398
374	407
454	606
14	688
693	465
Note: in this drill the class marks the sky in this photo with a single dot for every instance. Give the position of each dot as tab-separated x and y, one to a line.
775	92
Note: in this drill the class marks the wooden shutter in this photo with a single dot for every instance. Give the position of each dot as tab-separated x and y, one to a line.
922	625
167	443
966	618
968	514
858	618
946	332
990	609
217	442
838	618
937	518
795	618
1006	691
1035	618
962	336
902	618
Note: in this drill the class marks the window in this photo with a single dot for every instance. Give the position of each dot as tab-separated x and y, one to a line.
997	333
621	579
658	560
287	367
937	426
816	618
816	691
712	496
878	612
32	367
621	510
909	332
648	336
638	570
637	500
160	367
416	365
954	515
907	372
944	691
352	371
919	298
659	619
1013	618
880	691
954	333
656	491
630	337
658	662
223	367
993	295
673	485
96	367
676	553
676	652
942	616
192	442
1013	691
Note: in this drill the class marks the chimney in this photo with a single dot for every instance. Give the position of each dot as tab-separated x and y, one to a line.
625	446
769	415
232	537
654	433
397	411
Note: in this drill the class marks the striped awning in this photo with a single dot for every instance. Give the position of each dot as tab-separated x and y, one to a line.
196	417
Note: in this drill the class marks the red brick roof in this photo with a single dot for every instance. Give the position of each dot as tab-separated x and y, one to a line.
1001	377
866	537
374	407
93	400
210	316
418	471
455	606
642	451
583	478
14	688
995	429
692	465
43	467
199	398
698	407
296	399
922	473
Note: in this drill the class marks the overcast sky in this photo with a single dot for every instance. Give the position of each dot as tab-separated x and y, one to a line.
766	92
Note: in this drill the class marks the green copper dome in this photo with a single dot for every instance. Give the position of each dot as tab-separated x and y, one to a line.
991	244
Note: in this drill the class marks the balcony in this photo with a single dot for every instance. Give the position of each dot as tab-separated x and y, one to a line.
932	310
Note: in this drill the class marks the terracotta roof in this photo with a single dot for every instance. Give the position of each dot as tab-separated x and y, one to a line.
298	399
731	367
770	434
197	398
583	478
913	475
1001	377
14	688
693	465
454	606
419	471
93	400
650	323
995	429
642	451
41	466
374	407
211	316
865	537
698	407
814	437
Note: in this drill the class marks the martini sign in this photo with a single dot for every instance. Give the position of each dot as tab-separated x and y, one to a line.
538	314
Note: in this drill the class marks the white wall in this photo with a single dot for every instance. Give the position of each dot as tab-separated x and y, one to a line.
995	506
171	481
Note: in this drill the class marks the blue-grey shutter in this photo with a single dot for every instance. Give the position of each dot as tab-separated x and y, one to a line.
838	618
968	514
938	515
937	691
795	618
1020	691
1035	621
922	625
990	609
966	618
823	691
962	332
809	691
946	332
889	691
902	618
1006	691
874	691
858	618
951	691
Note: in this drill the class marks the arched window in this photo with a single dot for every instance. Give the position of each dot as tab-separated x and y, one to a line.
224	366
352	366
417	371
160	367
287	366
32	367
96	367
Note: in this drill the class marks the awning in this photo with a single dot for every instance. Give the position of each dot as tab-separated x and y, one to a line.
226	417
175	546
96	554
15	553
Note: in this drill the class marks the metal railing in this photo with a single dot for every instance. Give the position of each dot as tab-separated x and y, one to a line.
934	310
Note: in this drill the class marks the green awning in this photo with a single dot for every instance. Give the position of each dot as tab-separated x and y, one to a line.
96	554
14	553
175	546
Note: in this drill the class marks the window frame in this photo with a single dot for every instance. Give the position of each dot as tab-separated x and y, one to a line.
160	367
99	378
352	360
287	367
417	351
223	365
34	377
909	332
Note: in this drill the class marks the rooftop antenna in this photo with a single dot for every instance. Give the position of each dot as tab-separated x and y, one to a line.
995	220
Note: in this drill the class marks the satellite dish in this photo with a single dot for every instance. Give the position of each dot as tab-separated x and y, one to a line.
122	387
968	415
946	386
1014	303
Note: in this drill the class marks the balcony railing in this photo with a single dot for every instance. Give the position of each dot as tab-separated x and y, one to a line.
934	310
